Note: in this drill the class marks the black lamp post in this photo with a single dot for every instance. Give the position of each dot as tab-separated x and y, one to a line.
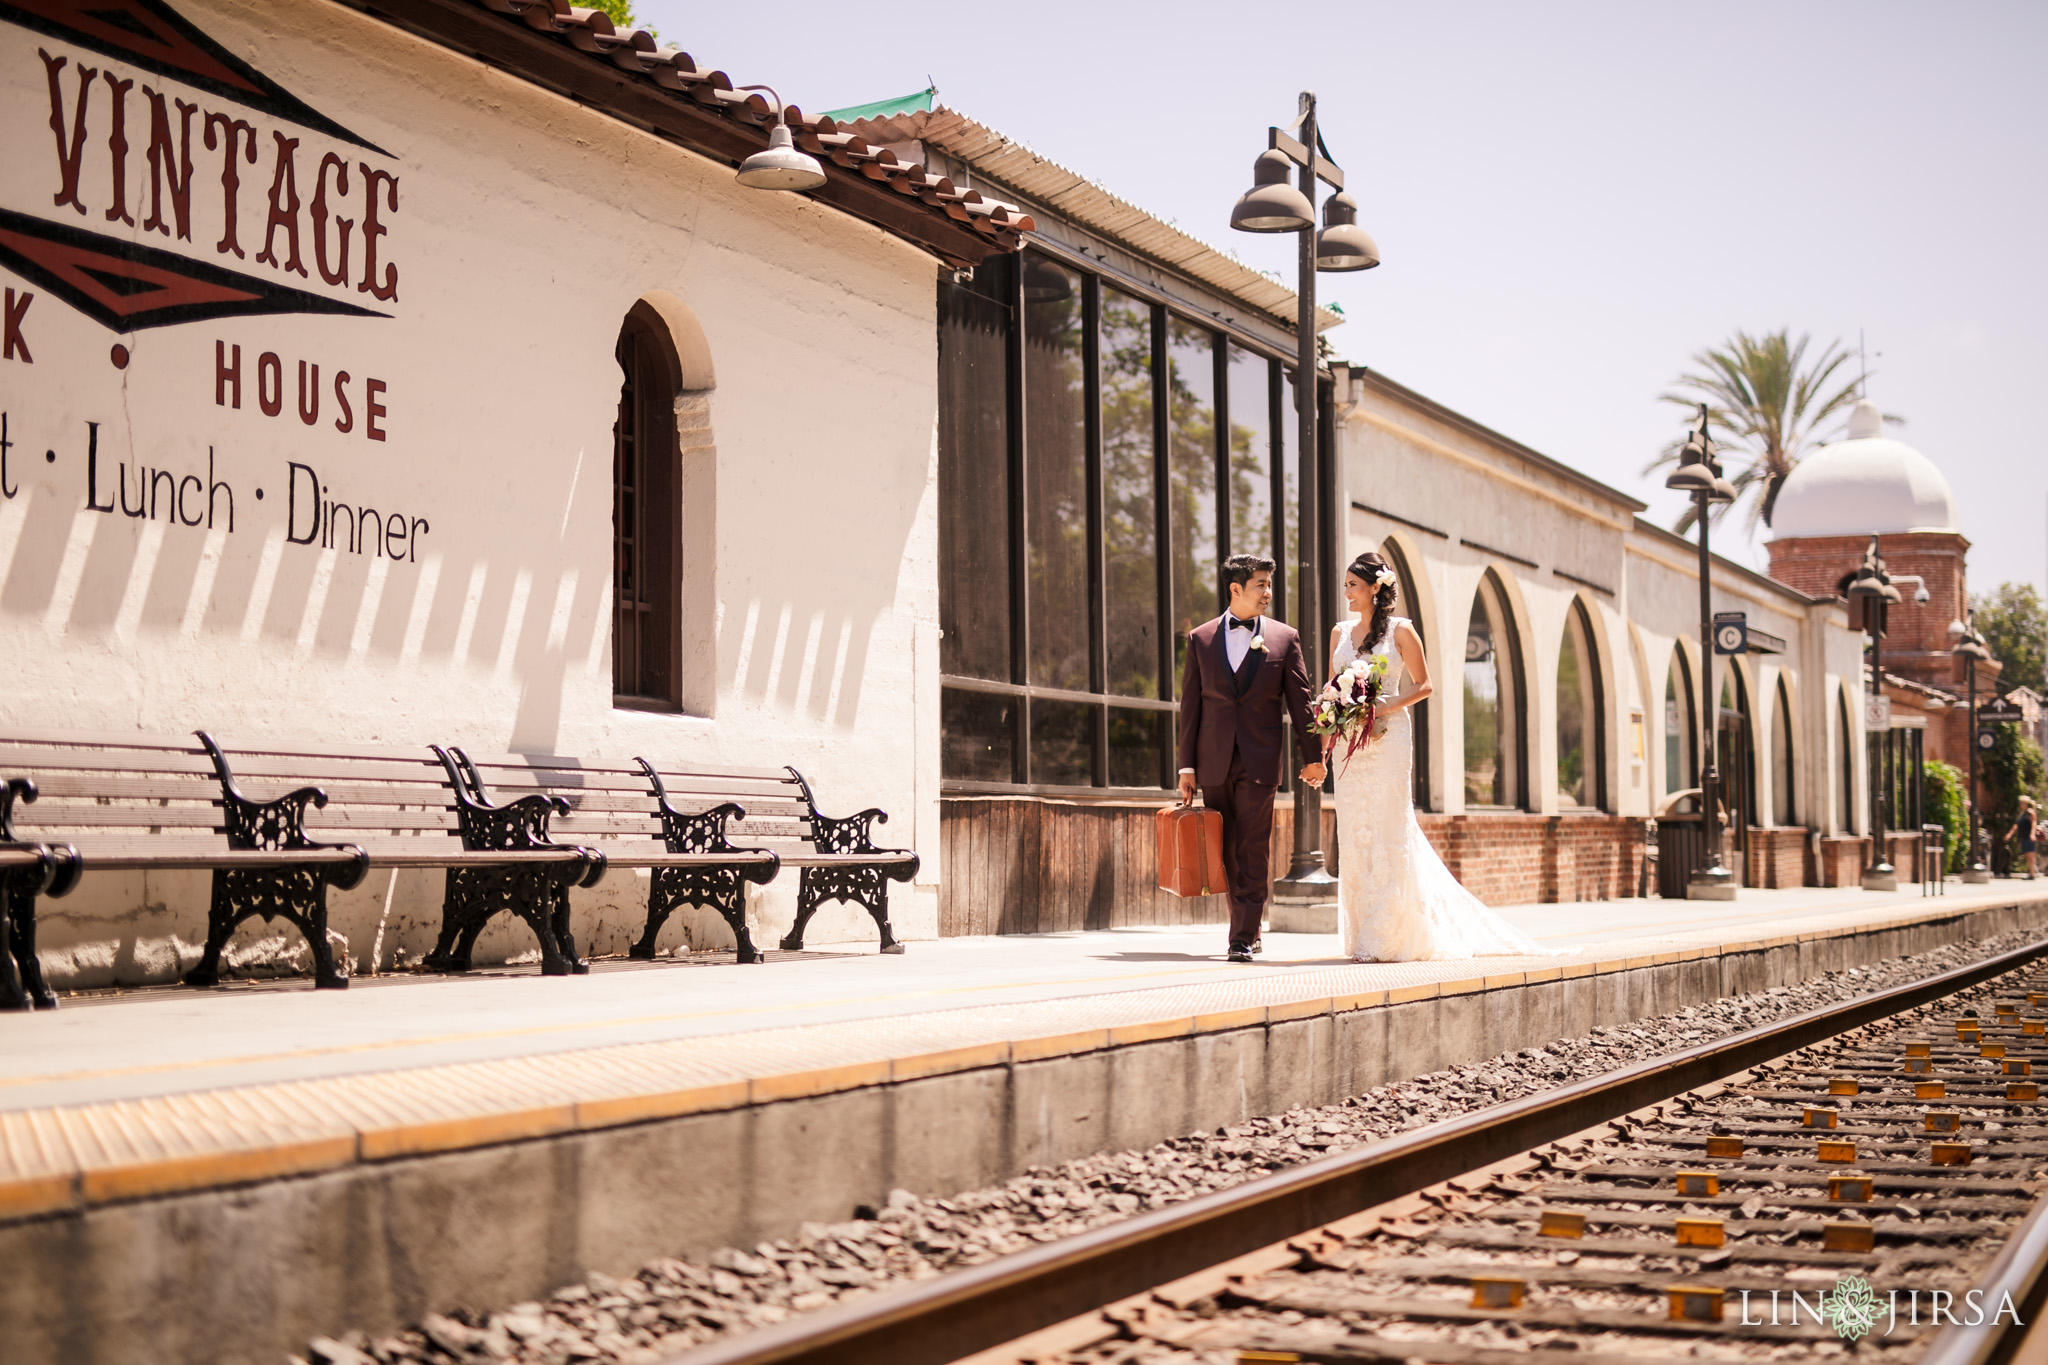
1273	205
1699	474
1870	593
1971	646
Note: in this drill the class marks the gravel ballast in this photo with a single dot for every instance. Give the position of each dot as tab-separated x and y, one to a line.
673	1304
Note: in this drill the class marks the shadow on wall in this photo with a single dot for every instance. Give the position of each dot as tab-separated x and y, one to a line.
530	616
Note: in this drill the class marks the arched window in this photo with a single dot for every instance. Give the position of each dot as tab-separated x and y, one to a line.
646	514
1405	605
1681	729
1494	772
1737	756
1581	765
1782	806
1845	769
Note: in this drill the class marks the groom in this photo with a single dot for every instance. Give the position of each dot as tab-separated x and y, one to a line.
1245	671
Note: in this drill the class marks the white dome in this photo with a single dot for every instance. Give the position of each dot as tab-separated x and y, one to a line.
1866	485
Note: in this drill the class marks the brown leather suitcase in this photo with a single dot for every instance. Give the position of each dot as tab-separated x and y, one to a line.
1191	851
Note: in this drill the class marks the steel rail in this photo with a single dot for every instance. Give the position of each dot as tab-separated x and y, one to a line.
956	1314
2020	1271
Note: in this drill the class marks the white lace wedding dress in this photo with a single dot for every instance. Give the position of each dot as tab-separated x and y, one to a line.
1396	901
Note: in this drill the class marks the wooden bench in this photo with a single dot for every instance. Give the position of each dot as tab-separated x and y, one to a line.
322	816
708	830
27	870
130	802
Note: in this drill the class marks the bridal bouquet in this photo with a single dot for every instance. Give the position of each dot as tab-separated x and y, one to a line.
1349	704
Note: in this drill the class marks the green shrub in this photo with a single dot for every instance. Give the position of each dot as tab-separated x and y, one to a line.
1945	807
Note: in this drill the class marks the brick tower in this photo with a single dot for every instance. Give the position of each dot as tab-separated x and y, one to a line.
1835	500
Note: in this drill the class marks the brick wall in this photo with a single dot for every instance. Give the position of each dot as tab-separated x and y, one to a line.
1841	859
1777	858
1516	859
1916	643
1905	852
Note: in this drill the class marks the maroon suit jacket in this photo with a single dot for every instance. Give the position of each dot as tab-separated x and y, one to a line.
1214	718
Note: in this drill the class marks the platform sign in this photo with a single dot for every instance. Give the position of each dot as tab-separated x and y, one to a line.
1731	632
1877	713
2000	711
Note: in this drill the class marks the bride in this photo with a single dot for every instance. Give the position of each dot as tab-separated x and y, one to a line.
1396	901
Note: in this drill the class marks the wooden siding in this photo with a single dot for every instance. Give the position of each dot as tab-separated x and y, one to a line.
1034	865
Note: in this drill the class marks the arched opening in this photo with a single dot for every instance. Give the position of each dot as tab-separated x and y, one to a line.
1495	773
1681	731
646	511
1845	768
1783	807
663	500
1581	756
1406	604
1737	757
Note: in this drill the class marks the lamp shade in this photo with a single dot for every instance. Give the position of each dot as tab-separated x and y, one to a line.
1045	282
1343	244
1691	477
1872	585
781	166
1271	204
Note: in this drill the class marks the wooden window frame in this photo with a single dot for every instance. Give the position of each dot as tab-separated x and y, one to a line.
656	533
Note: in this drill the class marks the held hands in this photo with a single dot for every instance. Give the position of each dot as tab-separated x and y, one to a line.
1312	774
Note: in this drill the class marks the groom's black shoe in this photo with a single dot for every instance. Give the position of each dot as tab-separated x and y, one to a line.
1240	954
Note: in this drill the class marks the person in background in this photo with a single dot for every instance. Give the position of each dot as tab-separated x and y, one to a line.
2025	827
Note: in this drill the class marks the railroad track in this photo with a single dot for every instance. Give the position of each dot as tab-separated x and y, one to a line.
1867	1165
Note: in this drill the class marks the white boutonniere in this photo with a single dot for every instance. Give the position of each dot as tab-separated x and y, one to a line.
1259	643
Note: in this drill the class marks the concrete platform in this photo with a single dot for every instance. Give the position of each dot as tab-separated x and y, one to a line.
293	1162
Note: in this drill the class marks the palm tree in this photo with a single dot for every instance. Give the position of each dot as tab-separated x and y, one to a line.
1767	404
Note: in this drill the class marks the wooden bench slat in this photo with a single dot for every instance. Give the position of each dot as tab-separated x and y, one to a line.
20	762
57	818
516	762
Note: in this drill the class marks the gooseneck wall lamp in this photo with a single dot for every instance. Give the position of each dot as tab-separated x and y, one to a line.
1699	477
780	166
1274	205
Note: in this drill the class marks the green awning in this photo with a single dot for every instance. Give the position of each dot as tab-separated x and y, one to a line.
919	103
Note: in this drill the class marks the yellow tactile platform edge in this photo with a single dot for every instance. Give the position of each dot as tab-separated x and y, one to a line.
65	1159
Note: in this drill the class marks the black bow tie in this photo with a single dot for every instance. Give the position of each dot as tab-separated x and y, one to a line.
1252	624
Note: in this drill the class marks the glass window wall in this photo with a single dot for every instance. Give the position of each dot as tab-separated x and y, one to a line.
1251	453
1680	731
1575	720
974	446
1099	453
1130	500
1191	470
1493	703
1055	475
1782	806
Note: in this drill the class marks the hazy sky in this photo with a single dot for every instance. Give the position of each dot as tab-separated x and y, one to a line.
1569	199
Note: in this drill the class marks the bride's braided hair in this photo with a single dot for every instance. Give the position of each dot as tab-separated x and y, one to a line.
1374	569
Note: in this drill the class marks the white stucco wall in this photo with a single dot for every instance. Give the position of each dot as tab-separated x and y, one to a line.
527	226
1463	505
